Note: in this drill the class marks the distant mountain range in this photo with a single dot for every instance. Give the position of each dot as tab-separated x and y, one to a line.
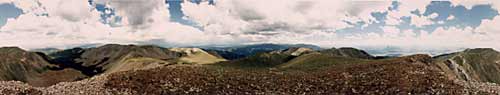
237	52
240	51
260	68
398	51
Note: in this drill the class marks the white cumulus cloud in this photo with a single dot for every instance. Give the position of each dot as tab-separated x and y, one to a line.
260	21
66	23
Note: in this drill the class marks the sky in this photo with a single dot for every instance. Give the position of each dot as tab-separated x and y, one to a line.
409	24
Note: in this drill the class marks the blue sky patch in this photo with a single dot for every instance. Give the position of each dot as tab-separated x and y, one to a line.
463	18
8	11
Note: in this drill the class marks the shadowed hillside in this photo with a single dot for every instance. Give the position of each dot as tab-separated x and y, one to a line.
33	68
17	64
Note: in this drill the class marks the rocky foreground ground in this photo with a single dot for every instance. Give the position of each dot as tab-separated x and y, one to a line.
359	79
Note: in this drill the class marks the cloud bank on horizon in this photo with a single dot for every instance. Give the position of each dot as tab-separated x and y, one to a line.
418	24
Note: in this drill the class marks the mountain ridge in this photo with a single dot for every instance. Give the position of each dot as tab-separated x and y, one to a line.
480	64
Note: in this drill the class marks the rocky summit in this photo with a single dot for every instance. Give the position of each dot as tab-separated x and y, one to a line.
152	70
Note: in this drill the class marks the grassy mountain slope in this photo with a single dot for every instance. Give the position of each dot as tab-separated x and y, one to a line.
135	64
196	56
94	61
318	61
17	64
347	52
301	57
480	64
